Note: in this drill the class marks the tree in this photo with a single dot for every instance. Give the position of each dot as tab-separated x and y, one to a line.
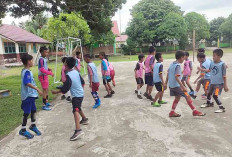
97	13
214	28
67	25
147	16
226	29
198	23
172	28
35	25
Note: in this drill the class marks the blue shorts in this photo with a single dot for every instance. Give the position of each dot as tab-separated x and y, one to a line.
28	105
149	79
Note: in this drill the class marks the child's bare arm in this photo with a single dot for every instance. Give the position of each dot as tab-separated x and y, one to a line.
180	83
225	84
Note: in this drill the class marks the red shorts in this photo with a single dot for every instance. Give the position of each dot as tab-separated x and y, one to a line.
43	79
95	86
112	73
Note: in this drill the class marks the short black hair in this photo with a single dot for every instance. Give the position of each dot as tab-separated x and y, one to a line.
152	49
42	49
186	53
87	56
201	55
140	56
71	62
25	58
64	59
201	50
179	54
218	52
77	53
158	56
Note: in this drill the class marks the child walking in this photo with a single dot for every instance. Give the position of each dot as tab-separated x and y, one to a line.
112	73
158	81
73	83
44	71
106	75
187	72
78	66
218	80
139	76
149	64
63	79
177	89
93	80
29	92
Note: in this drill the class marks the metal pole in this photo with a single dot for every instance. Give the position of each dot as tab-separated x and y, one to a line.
82	58
56	60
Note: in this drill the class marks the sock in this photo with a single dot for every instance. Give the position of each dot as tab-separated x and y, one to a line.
47	98
190	103
44	101
33	118
175	102
139	92
24	123
95	96
195	93
209	99
191	89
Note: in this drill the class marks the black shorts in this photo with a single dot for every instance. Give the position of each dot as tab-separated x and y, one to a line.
76	103
159	86
149	79
139	80
185	78
106	80
178	92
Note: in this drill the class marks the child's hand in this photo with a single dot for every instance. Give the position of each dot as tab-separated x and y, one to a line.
54	92
49	69
90	85
40	92
226	89
52	75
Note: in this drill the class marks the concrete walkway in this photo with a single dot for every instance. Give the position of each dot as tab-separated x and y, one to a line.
125	126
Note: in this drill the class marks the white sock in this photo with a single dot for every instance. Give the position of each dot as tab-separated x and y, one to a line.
139	92
195	93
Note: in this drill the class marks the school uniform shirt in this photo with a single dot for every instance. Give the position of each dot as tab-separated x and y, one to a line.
78	64
174	70
217	72
43	67
92	71
73	83
139	70
26	92
187	67
157	70
206	65
149	62
105	68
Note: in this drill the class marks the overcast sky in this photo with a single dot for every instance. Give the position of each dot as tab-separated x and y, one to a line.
210	8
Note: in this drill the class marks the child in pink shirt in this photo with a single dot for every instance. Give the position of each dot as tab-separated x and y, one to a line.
112	73
63	79
139	75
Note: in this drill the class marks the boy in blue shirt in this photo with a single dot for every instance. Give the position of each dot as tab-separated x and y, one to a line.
177	89
158	81
29	92
73	83
218	80
93	80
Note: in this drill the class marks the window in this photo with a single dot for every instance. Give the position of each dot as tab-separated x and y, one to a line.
22	48
9	47
34	48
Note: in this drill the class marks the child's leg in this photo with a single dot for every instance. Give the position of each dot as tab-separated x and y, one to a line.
189	85
150	90
44	96
215	96
157	96
107	89
190	102
82	114
109	86
33	118
24	122
138	89
183	82
77	120
161	96
175	102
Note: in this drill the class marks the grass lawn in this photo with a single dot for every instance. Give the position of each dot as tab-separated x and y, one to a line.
10	107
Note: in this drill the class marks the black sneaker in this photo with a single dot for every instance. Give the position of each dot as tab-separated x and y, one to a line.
62	97
76	135
140	96
145	94
108	96
149	97
69	99
136	92
112	92
84	121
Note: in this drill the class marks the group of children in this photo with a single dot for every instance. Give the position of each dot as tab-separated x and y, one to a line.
73	85
212	77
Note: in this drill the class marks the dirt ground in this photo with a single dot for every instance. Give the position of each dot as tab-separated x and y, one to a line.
125	126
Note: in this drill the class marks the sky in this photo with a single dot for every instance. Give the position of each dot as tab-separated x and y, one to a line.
210	8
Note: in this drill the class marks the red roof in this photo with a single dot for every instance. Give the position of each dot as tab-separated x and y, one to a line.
20	35
115	29
122	38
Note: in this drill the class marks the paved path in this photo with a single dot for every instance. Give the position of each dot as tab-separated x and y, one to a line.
124	126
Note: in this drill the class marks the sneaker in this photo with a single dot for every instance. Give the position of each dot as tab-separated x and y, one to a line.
69	99
48	104
174	114
205	105
149	97
46	108
108	96
97	104
220	111
136	92
139	96
84	121
62	97
162	102
198	113
26	134
145	94
155	104
76	135
35	129
192	94
112	92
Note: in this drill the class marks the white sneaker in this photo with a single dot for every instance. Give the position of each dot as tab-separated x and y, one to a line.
220	111
204	105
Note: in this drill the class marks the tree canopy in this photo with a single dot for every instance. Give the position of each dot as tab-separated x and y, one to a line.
226	29
214	28
198	23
